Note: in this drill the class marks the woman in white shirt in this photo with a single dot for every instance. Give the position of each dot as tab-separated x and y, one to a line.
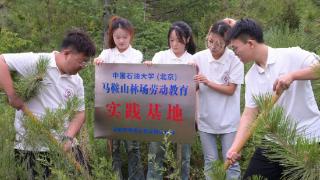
220	78
182	47
120	35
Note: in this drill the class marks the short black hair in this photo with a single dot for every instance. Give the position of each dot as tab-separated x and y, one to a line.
79	41
246	29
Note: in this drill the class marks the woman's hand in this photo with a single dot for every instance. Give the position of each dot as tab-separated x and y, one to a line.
201	79
148	63
97	61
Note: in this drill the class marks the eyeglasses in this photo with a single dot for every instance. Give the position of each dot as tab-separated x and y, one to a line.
85	63
237	48
217	43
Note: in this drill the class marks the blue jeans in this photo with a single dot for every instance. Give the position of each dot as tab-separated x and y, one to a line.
210	153
155	165
135	169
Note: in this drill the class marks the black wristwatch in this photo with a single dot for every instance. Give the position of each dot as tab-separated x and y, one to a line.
67	138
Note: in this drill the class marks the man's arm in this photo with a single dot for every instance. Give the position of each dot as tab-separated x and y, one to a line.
284	81
243	133
74	128
6	84
75	125
308	73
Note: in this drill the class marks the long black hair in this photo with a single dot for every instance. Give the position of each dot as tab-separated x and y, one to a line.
220	28
183	30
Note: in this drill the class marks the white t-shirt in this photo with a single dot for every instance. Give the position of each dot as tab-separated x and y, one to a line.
298	101
113	55
219	113
54	93
168	57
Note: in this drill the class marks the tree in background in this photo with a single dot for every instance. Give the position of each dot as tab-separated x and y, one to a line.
43	22
10	42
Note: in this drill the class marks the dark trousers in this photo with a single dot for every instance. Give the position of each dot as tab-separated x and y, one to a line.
31	159
260	165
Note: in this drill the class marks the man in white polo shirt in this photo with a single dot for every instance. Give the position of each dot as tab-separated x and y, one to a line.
60	83
274	69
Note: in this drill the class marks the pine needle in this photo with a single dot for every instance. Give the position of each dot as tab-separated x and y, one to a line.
29	86
299	156
316	70
38	133
54	119
217	170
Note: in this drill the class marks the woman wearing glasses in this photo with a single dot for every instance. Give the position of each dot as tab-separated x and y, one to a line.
220	78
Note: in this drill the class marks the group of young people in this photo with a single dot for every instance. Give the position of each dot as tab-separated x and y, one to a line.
220	78
221	73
